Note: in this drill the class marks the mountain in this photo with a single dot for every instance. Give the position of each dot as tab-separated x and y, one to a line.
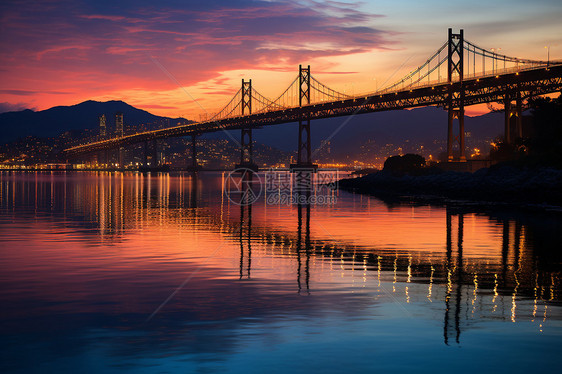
56	120
421	125
347	134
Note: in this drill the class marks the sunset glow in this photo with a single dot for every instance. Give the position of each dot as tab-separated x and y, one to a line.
163	58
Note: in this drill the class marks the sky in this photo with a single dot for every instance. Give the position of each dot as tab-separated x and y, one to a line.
184	58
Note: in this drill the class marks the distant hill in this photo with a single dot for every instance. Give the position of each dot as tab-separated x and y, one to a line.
421	125
56	120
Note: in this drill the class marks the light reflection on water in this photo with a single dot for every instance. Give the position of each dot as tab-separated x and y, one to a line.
129	272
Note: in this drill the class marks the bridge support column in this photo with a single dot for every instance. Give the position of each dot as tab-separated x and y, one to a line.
193	167
154	160
455	68
512	125
246	151
304	156
458	114
102	158
518	114
145	154
304	151
121	155
507	122
246	141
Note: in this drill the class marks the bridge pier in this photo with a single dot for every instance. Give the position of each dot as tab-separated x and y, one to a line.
304	150
145	158
151	154
102	158
507	121
512	117
154	161
246	151
193	167
121	157
458	114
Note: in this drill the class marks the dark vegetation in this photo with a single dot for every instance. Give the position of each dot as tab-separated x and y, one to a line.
409	163
543	146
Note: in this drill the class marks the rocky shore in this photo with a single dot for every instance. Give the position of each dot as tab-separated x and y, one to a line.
504	184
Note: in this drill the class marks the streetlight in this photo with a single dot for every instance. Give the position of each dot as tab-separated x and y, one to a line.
547	55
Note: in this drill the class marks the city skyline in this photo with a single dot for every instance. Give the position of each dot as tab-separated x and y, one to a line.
160	60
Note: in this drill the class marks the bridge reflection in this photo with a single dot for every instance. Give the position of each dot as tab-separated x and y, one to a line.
245	240
472	286
307	246
468	292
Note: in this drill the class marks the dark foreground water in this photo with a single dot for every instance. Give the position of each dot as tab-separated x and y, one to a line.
121	272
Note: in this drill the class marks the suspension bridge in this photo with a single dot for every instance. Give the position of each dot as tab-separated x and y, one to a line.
459	74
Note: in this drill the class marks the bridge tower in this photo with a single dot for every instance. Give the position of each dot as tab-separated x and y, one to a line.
455	105
304	154
246	142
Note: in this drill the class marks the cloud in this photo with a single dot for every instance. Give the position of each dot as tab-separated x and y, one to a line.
153	106
103	48
58	49
9	107
30	93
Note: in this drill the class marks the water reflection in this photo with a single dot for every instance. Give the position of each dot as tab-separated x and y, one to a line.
245	240
307	245
451	269
133	238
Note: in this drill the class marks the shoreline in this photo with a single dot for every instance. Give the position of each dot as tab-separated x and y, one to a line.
505	188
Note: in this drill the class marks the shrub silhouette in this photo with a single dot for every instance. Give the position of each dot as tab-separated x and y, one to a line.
409	163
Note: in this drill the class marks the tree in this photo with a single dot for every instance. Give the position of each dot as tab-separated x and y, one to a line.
404	164
545	143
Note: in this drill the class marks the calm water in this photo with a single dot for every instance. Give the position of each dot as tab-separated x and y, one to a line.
162	273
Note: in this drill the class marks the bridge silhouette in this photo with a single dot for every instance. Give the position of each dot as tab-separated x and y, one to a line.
457	75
